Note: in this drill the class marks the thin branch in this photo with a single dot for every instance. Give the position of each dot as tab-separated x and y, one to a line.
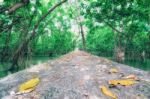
111	26
15	7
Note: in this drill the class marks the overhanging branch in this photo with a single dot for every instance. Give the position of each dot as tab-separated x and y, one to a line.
44	16
24	44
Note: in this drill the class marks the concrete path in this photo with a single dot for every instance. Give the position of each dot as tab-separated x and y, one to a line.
77	75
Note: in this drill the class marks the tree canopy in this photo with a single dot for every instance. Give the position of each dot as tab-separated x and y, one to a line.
113	28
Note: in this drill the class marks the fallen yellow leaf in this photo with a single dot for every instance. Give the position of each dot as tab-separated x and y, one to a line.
29	85
107	92
113	70
122	82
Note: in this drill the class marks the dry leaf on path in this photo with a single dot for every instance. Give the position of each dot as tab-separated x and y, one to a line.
113	70
29	85
122	82
107	92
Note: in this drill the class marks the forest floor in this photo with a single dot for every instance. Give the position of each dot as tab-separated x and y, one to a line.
77	75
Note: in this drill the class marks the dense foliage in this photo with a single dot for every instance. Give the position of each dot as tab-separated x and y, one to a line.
128	31
100	40
112	28
52	37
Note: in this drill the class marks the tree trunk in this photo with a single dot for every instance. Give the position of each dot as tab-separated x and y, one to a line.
119	51
5	51
119	54
83	36
81	30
